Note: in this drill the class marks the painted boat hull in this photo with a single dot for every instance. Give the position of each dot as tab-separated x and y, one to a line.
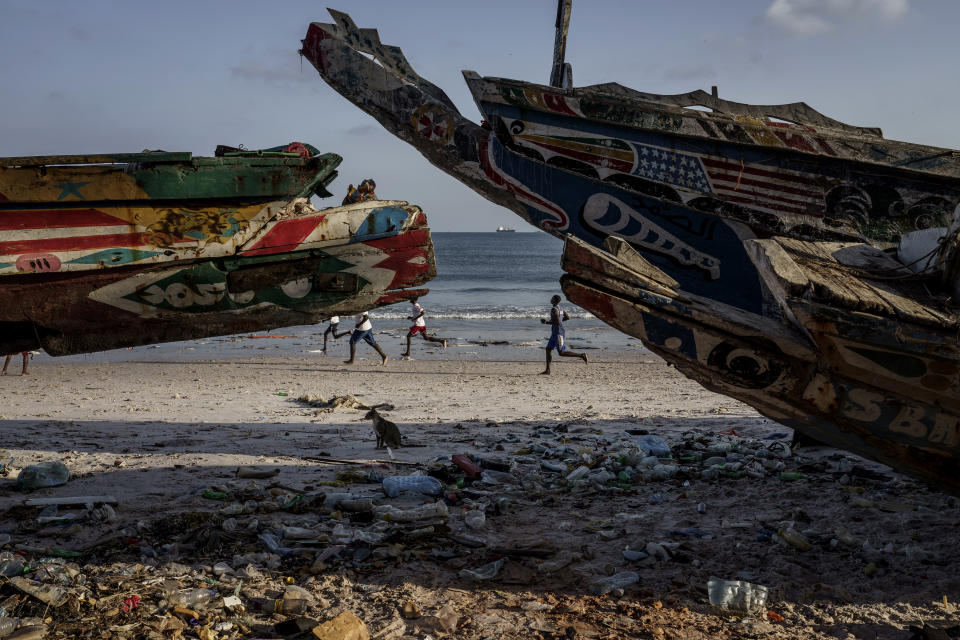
571	162
144	209
780	179
882	389
299	268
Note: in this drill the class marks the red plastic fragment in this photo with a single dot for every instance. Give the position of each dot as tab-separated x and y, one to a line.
468	465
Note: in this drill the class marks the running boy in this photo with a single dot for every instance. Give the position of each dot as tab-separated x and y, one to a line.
26	359
332	328
557	317
419	326
364	331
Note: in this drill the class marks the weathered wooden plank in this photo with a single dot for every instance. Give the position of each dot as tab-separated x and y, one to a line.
155	157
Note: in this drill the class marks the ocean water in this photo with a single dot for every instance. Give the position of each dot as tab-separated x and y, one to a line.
488	297
490	279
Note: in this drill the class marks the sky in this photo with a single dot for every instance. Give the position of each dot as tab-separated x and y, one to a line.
119	76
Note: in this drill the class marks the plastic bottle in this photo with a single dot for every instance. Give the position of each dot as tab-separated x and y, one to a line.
192	597
427	485
616	581
356	506
653	446
423	512
11	568
664	471
795	539
8	625
738	597
484	572
31	632
577	473
295	600
475	519
51	594
45	474
492	476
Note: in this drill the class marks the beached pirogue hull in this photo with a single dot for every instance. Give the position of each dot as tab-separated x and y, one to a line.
857	361
99	252
684	187
691	191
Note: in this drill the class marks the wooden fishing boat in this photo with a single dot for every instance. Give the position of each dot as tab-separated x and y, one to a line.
105	251
688	189
856	353
682	185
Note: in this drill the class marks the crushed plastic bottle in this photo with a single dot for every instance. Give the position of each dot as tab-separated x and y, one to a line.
493	476
475	519
270	541
737	597
484	572
10	565
51	594
45	474
192	597
577	473
653	445
295	600
795	539
423	512
8	625
355	505
426	485
620	580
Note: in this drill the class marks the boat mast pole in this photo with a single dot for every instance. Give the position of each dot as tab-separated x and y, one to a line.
557	75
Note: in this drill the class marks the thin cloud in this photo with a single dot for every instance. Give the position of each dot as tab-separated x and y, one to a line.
813	17
277	68
362	130
690	73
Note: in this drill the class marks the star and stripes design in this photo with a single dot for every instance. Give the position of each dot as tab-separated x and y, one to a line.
758	186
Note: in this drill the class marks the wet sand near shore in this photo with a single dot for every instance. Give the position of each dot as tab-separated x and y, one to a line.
877	551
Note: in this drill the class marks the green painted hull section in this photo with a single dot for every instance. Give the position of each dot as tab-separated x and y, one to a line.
238	177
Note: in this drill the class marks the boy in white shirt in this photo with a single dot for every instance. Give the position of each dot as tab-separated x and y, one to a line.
332	328
364	331
419	326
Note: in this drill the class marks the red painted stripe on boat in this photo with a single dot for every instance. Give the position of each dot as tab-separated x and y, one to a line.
284	235
75	242
746	168
774	206
760	184
400	250
594	159
57	218
764	197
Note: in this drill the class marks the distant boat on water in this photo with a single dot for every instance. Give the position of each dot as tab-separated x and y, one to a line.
503	228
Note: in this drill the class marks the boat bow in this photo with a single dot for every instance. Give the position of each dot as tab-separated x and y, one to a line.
378	79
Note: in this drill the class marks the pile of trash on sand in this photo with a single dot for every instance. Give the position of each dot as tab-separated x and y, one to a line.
565	532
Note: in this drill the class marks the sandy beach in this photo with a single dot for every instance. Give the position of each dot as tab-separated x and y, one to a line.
876	552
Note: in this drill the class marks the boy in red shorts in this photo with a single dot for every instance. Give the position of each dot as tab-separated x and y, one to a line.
419	326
